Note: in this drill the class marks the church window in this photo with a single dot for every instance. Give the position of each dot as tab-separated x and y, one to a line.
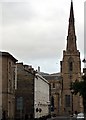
67	100
70	66
52	103
53	85
19	103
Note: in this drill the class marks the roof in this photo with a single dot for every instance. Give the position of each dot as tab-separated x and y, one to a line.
8	55
42	78
54	76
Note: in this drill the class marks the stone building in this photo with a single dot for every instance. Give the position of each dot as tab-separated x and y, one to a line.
70	70
24	92
56	87
8	74
31	97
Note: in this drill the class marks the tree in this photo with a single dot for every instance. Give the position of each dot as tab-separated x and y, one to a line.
80	87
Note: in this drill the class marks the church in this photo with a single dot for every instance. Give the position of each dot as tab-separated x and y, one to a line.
14	78
70	70
64	100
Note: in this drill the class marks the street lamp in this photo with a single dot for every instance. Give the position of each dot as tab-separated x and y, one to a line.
72	92
84	69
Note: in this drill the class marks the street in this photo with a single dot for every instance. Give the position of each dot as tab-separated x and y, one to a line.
62	118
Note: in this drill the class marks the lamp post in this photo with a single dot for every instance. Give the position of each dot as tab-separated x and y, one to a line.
84	69
72	92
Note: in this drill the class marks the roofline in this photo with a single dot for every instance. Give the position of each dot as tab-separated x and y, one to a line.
8	55
38	75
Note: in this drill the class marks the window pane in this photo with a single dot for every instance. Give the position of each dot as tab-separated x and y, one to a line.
67	100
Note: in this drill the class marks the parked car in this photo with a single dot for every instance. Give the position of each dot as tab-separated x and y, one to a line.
80	116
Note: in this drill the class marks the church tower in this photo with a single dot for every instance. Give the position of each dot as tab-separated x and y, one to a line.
70	70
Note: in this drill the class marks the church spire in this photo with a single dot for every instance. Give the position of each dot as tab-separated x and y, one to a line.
71	38
71	19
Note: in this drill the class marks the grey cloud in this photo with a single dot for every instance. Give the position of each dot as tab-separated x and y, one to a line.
18	12
35	32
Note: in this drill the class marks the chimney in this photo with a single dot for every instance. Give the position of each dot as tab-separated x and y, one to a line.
38	69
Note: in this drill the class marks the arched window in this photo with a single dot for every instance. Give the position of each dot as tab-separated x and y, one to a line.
67	100
52	103
53	85
70	64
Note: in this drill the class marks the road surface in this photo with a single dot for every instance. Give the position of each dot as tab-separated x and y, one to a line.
62	118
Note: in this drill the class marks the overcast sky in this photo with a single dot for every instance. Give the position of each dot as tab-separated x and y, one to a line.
35	31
